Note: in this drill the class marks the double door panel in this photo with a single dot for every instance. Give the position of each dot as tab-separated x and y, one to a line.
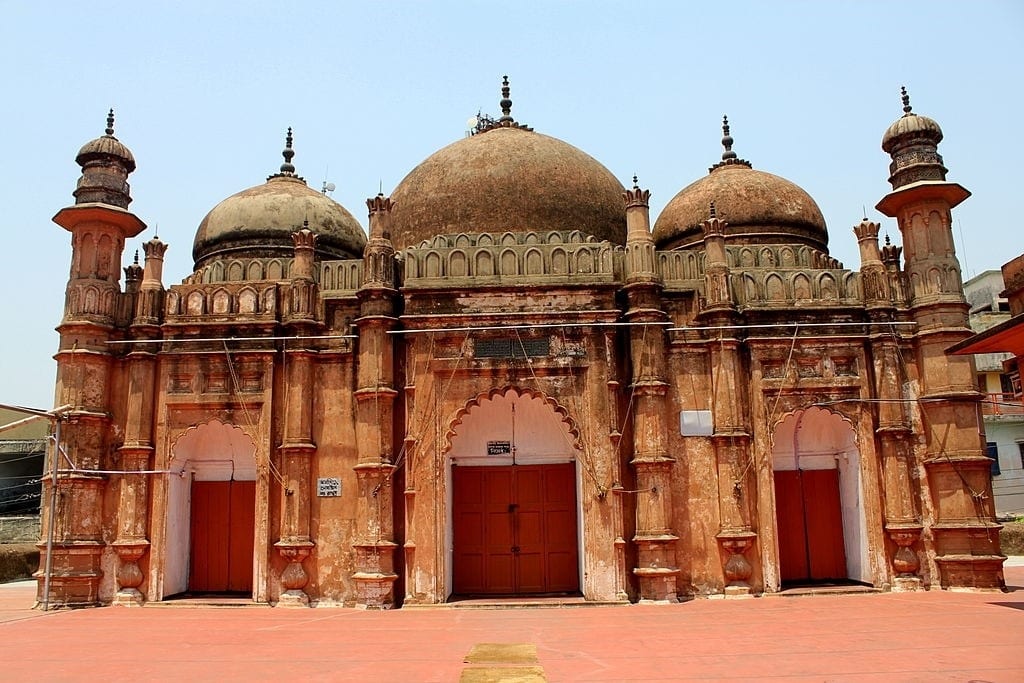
810	525
515	530
222	526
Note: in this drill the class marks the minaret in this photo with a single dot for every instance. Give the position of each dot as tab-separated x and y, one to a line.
99	223
374	542
961	510
656	568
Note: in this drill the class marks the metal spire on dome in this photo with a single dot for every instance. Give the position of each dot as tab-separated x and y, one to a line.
727	140
506	102
288	153
729	157
110	122
907	109
485	123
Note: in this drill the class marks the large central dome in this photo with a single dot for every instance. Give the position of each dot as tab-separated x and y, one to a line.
507	178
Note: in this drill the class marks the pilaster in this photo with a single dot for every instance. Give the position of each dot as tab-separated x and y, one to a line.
375	394
655	540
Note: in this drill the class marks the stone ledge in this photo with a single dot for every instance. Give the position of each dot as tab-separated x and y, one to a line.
18	561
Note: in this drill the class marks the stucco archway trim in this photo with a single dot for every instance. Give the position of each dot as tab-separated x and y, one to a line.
477	401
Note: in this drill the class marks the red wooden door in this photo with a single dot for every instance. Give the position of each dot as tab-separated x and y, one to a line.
789	511
515	530
810	525
824	514
222	525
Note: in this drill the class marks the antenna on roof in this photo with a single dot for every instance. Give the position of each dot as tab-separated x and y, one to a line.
327	187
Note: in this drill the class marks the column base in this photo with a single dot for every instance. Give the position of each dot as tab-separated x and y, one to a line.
734	591
907	584
74	577
128	597
972	572
293	598
374	590
657	584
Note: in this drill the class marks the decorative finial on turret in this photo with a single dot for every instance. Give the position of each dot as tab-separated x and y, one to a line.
506	102
136	257
110	123
635	181
712	212
907	109
727	140
288	153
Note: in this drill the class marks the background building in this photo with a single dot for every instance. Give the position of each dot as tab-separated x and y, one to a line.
515	385
22	452
999	380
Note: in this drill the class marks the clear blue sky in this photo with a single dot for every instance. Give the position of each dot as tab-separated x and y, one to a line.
204	91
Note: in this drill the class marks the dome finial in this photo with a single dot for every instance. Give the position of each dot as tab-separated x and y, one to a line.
288	153
635	181
110	122
712	212
727	140
506	102
728	156
906	100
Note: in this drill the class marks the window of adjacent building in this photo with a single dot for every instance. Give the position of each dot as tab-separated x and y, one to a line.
1020	447
1006	383
992	451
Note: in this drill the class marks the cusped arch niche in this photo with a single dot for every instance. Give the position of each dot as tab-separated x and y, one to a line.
540	429
210	451
215	451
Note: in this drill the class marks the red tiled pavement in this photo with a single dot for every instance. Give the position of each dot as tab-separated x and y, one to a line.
929	636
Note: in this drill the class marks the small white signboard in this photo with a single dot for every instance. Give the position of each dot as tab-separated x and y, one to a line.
696	423
328	487
499	447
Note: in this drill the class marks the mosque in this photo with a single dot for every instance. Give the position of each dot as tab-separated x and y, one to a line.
516	386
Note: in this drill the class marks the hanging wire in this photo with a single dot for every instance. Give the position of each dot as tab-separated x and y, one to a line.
975	495
255	430
587	463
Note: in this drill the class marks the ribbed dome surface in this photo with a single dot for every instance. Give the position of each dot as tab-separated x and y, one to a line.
106	146
259	222
508	179
910	127
759	207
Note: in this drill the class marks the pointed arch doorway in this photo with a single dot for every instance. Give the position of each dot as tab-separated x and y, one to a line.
211	512
514	501
818	500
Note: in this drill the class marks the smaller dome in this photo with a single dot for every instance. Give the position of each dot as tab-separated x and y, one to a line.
106	147
259	222
759	208
910	128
